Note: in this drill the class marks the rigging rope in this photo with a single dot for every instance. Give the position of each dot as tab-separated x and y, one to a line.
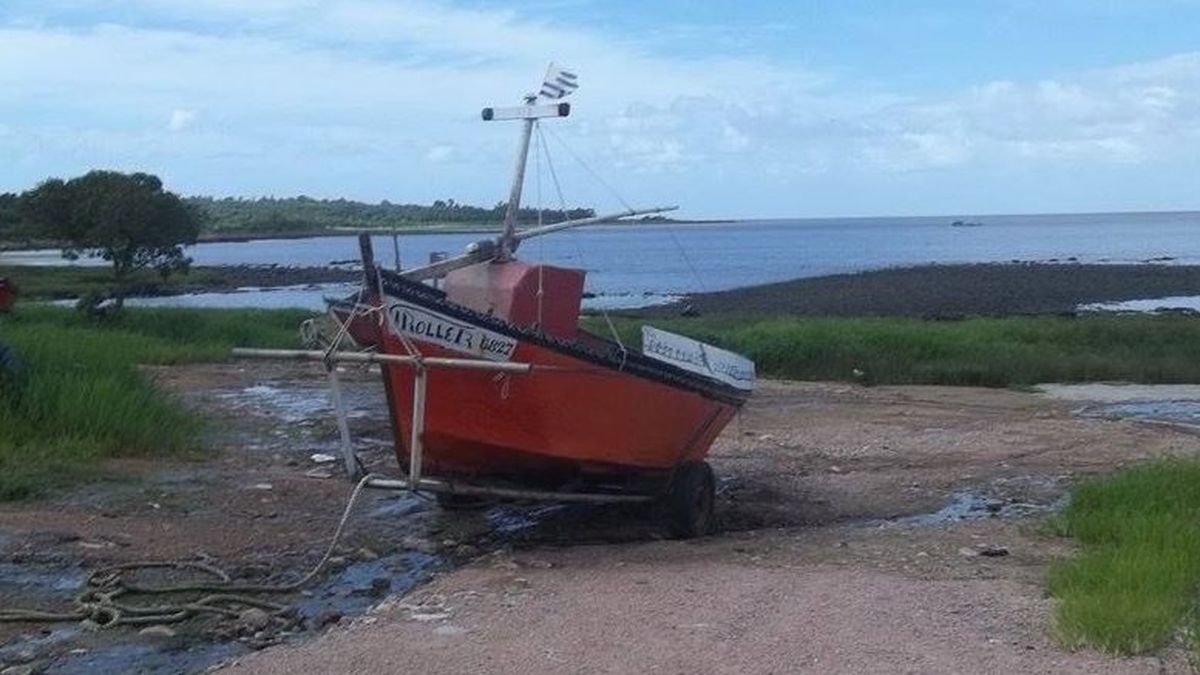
670	231
590	170
537	166
575	241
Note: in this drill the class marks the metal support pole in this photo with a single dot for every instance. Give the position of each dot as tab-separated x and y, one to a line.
339	407
416	445
445	487
396	359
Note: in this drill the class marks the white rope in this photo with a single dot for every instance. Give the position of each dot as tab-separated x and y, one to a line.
537	165
344	326
590	170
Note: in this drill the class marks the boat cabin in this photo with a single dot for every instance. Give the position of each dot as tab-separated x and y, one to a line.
543	297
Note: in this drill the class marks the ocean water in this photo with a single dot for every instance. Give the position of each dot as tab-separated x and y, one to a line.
629	266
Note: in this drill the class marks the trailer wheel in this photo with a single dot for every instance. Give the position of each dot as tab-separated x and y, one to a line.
690	501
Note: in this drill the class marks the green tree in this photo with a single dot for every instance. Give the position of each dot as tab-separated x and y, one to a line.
8	215
127	219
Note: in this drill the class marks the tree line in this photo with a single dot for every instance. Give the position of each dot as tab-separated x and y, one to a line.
305	214
292	215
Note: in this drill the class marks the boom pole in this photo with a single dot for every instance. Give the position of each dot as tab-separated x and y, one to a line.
486	250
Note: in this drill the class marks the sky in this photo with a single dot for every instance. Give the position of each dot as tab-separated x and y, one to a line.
801	108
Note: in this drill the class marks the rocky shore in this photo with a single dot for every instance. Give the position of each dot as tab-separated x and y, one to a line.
241	276
948	291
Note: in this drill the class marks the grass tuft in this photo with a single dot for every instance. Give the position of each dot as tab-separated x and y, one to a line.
1136	580
79	396
1001	352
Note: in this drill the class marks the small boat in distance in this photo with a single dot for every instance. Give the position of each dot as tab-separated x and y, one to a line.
593	415
966	223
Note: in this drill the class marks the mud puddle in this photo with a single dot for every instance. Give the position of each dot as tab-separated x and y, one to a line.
971	505
1168	404
300	403
1182	413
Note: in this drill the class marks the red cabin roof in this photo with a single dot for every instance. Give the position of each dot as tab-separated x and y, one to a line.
510	291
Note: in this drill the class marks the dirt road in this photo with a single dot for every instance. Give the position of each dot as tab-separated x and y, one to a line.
863	530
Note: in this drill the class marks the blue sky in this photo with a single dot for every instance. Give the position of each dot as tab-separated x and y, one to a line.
767	109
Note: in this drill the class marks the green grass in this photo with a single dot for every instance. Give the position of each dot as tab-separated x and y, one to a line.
1004	352
1137	579
82	398
57	282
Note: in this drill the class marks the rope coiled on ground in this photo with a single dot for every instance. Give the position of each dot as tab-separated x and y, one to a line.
103	601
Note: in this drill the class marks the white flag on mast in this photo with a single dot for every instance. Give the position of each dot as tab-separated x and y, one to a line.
559	83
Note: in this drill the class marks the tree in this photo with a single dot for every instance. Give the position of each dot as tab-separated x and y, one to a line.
126	219
8	214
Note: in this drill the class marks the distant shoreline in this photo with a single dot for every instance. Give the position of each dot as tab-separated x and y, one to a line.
924	291
408	231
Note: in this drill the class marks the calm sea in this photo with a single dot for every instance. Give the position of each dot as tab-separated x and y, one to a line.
639	265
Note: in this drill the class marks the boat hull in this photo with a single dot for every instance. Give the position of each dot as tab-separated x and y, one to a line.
570	418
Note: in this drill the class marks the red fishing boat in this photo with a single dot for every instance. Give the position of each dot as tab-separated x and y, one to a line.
547	409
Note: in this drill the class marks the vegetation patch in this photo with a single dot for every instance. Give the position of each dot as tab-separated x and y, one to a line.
269	215
1135	582
1002	352
75	394
49	282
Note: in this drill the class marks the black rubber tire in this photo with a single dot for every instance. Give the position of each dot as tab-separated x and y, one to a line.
453	502
690	501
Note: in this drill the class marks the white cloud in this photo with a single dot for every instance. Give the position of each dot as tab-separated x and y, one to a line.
402	74
440	153
181	119
1119	116
734	140
365	85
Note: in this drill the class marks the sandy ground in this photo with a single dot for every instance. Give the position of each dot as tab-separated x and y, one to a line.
856	531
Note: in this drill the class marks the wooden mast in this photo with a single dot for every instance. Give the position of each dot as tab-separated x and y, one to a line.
508	245
502	247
